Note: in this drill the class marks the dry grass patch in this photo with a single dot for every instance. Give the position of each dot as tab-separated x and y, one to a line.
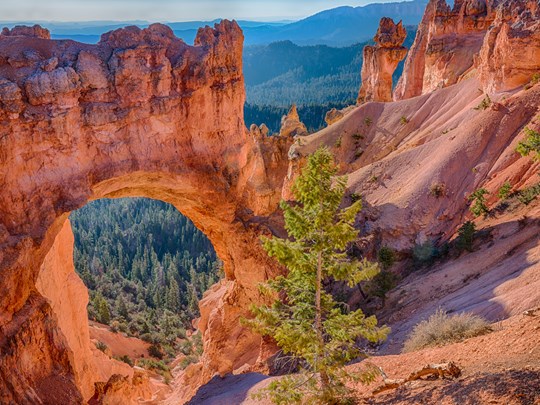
441	329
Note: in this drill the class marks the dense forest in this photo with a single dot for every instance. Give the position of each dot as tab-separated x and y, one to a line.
145	265
315	78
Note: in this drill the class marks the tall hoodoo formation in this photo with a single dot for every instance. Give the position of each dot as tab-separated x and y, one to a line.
381	60
139	114
496	40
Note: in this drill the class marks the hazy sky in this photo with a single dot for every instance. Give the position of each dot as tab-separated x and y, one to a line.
166	10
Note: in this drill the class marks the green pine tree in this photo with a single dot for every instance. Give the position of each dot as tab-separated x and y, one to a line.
102	310
307	323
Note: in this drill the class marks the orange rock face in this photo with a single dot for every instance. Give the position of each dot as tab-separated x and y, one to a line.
139	114
510	53
445	45
381	60
497	41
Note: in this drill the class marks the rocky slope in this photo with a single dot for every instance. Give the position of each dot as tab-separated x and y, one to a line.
143	114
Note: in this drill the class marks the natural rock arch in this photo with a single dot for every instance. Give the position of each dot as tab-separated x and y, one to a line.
139	114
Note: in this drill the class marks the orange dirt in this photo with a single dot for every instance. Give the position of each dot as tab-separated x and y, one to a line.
119	344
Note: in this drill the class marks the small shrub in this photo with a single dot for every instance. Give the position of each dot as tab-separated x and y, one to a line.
441	329
368	121
425	253
504	191
357	136
386	257
115	326
355	197
152	364
155	351
535	79
374	179
101	346
478	203
437	190
527	195
358	153
126	359
484	104
403	120
338	143
381	284
465	237
186	361
530	144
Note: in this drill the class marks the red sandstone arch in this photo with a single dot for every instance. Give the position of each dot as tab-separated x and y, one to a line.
139	114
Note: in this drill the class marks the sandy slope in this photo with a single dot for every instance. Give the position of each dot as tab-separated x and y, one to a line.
119	344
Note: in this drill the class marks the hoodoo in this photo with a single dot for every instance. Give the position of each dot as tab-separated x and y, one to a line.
381	60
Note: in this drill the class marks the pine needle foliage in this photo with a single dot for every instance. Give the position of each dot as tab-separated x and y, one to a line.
305	321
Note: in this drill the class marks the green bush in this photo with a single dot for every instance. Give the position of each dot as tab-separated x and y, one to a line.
535	79
527	195
478	202
505	190
101	346
437	190
465	237
441	329
186	361
126	359
530	144
425	253
155	351
484	104
368	121
381	284
404	120
386	257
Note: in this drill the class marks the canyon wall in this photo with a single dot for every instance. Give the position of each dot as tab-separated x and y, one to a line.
139	114
496	40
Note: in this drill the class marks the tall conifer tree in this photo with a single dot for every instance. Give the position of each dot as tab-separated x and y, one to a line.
306	322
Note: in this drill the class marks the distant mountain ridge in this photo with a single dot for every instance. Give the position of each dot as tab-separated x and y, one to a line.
341	26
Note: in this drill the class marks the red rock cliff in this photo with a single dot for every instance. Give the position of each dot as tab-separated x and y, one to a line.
139	114
496	40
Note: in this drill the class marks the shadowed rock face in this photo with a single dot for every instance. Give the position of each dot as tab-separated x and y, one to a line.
498	40
381	60
139	114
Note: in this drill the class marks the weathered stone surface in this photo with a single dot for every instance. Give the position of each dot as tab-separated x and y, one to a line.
510	53
24	31
381	60
446	42
291	124
139	114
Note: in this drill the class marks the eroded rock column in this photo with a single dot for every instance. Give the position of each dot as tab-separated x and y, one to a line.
381	60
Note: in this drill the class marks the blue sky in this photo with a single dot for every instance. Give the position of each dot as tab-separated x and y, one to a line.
166	10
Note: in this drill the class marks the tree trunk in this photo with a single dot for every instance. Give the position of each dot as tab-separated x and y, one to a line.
318	322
